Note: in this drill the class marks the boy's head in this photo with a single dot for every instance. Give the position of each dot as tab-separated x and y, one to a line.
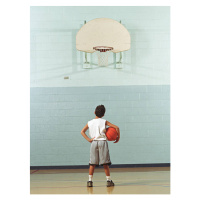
100	111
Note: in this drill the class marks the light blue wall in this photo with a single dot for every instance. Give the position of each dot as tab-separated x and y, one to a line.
59	114
137	97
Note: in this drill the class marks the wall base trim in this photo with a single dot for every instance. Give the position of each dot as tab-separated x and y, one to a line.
111	166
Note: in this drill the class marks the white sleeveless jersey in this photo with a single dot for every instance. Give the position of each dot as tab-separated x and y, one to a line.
97	129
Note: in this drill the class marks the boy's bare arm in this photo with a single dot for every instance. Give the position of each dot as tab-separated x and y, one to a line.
84	135
117	129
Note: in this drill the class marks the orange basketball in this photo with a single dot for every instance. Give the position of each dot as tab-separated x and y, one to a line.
111	134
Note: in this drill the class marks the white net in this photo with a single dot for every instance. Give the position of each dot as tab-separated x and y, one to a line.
103	54
102	58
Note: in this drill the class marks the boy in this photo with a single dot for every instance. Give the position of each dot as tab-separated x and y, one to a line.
99	152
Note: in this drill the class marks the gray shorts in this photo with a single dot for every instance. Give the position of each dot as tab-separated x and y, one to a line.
99	153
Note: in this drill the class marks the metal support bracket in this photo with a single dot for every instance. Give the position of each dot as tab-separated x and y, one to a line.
86	64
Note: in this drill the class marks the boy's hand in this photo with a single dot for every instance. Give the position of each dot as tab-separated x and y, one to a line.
91	140
117	140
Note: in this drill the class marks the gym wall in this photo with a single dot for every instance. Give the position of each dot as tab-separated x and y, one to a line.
137	97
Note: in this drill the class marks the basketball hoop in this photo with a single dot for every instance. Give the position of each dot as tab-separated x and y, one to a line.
102	54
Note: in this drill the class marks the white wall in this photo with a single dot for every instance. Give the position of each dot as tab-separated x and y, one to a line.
54	54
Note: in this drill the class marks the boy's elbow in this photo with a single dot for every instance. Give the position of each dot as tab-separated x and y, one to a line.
117	129
82	132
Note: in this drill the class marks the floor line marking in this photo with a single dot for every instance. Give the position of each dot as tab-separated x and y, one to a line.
34	171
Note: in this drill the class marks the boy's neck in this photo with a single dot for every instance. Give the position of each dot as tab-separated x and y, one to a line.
97	117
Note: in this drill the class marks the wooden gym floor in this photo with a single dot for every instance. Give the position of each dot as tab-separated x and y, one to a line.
145	180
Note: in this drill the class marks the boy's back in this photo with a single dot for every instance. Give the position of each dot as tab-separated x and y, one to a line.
97	129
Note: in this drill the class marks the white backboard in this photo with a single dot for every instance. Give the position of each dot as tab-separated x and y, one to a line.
103	32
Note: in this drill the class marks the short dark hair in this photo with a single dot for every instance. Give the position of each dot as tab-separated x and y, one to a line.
100	111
